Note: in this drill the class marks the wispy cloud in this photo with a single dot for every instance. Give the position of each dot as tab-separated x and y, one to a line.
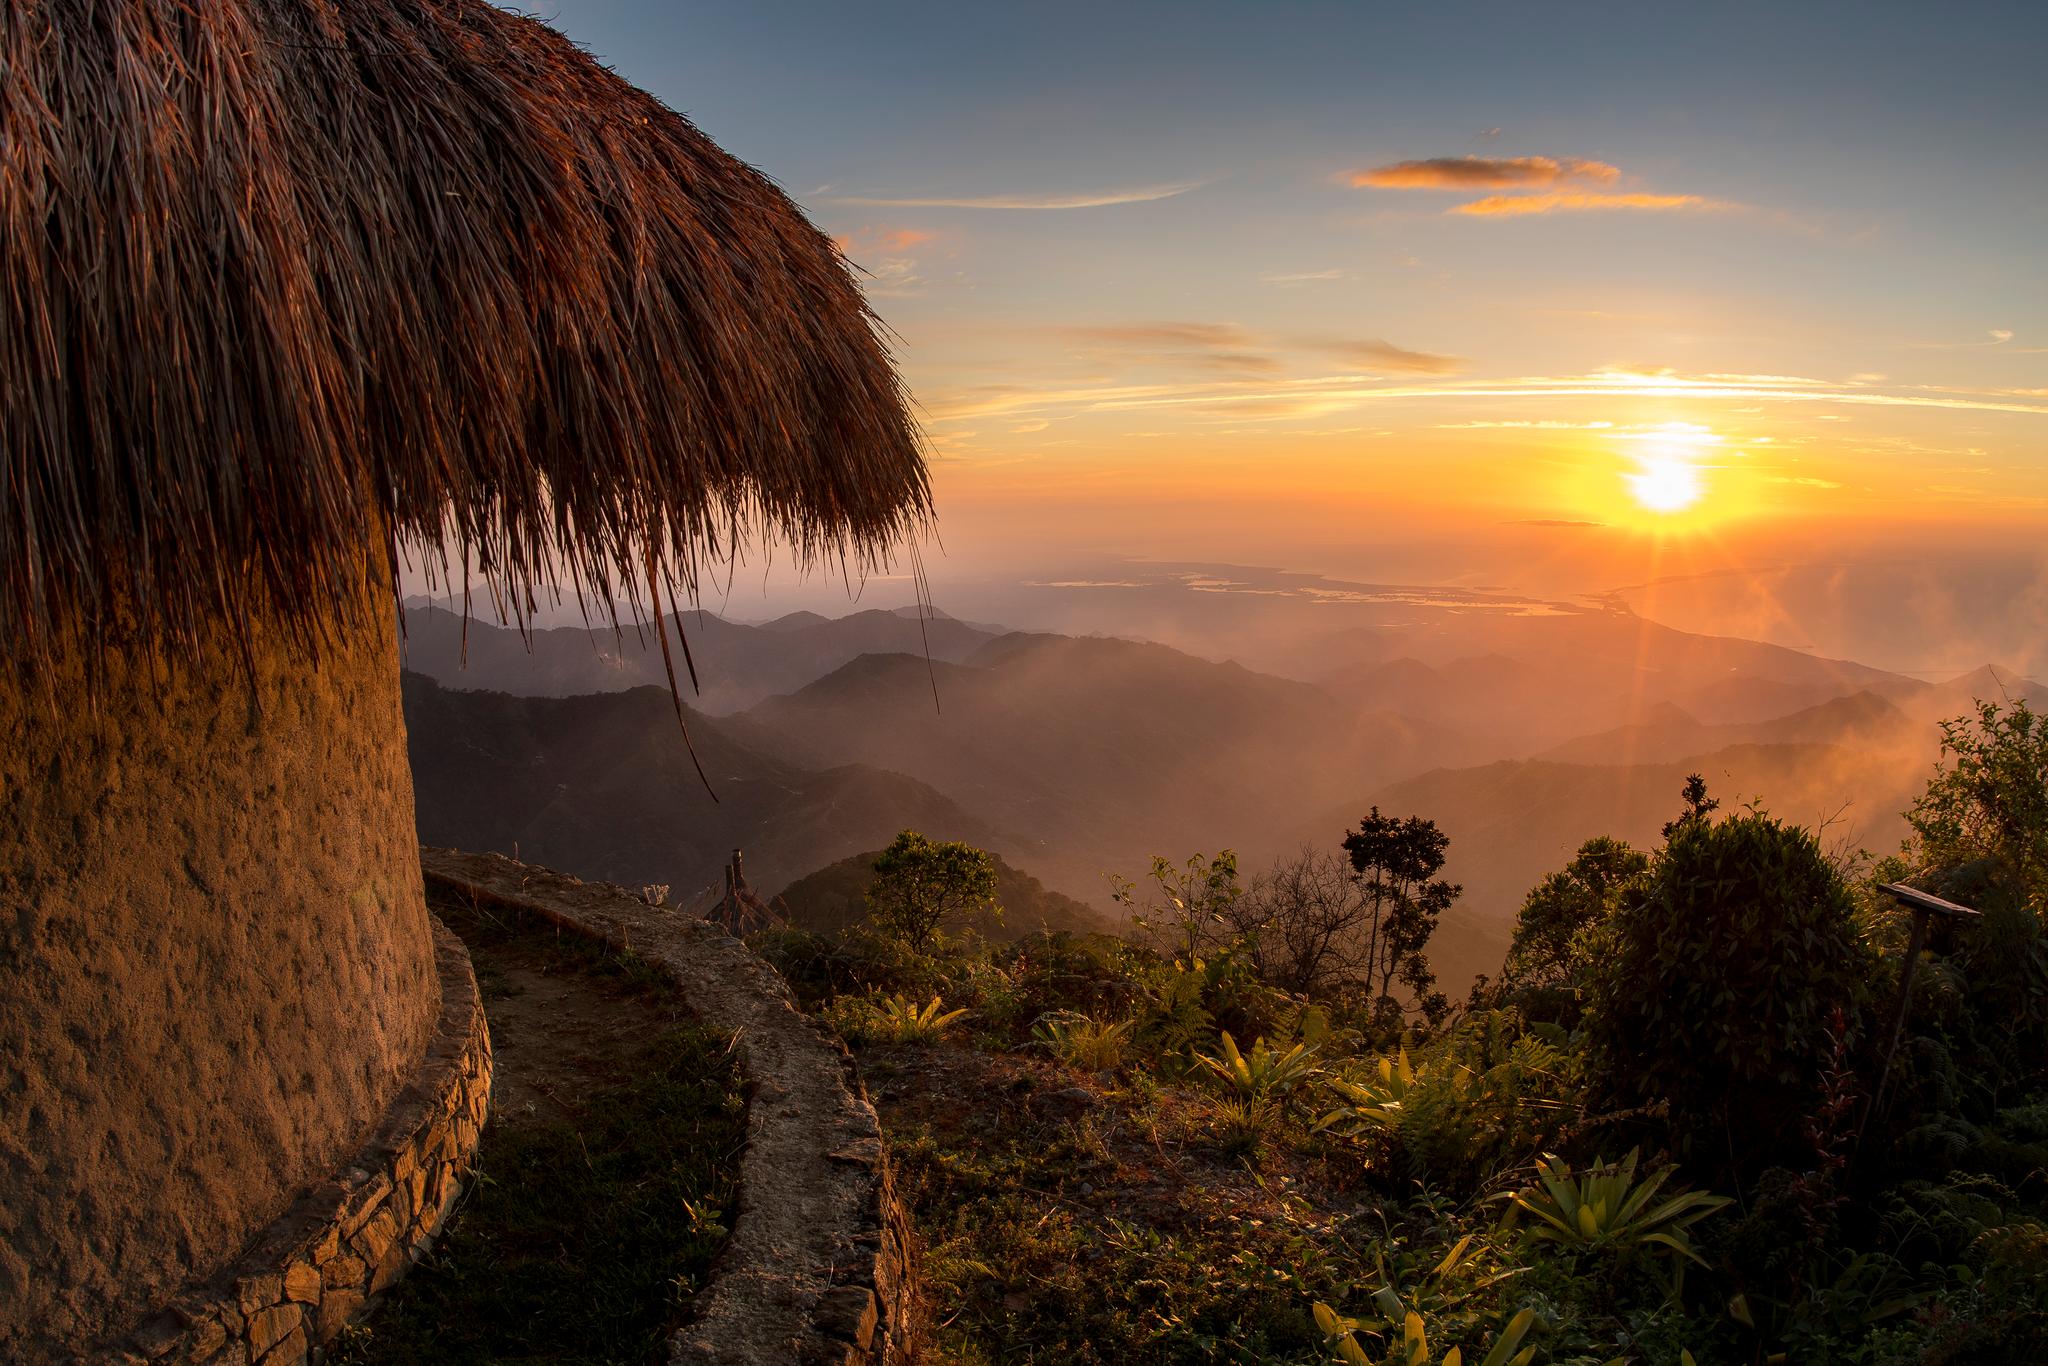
1485	173
1301	277
1328	393
1541	425
1223	347
895	277
1142	194
1379	355
1996	336
1573	201
1163	334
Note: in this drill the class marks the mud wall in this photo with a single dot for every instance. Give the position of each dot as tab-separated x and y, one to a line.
340	1245
217	961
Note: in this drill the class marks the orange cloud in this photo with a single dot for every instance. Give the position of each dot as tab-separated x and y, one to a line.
1572	201
1485	173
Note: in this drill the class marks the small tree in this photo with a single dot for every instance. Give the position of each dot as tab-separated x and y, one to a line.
1307	921
1987	805
920	884
1396	861
1547	960
1980	836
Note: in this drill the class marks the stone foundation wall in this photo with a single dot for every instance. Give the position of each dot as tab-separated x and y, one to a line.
302	1279
820	1267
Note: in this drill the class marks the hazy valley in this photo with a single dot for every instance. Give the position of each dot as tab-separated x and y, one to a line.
1521	733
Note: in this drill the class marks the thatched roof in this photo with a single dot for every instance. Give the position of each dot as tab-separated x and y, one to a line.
273	269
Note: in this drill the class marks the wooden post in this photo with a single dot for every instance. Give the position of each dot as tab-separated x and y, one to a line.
1923	905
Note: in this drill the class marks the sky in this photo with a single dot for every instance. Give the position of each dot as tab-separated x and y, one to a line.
1567	297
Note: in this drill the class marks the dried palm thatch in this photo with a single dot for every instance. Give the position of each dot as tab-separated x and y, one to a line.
274	273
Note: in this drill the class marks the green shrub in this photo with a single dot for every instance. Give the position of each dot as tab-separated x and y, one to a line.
1452	1296
1082	1041
1716	984
921	883
1484	1097
1093	974
858	961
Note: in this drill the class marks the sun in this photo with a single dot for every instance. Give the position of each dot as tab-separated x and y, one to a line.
1666	484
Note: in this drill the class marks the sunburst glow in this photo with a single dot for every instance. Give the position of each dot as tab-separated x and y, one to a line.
1666	483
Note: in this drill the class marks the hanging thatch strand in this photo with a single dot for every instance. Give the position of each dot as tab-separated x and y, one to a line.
274	270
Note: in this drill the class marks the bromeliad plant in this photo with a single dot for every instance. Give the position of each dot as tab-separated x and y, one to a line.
1266	1074
1371	1101
1413	1347
1449	1293
1606	1209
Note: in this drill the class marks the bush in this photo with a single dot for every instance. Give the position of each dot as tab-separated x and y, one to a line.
1716	982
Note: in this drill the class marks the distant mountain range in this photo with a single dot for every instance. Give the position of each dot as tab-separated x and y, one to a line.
1074	756
737	665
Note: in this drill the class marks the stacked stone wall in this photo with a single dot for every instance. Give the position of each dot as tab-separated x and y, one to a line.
820	1267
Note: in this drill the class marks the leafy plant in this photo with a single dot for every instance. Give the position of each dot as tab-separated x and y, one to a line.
1547	961
1989	802
1265	1073
1448	1291
1190	906
1483	1097
1605	1208
1082	1041
1182	1005
1173	1019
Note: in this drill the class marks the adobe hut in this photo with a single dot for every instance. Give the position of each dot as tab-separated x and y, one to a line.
286	287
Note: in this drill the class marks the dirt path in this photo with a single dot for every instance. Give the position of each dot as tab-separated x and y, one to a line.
612	1109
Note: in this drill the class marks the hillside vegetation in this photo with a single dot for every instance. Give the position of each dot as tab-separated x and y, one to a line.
1670	1127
